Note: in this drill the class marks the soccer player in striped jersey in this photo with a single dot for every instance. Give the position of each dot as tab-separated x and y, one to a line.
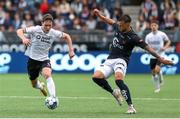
38	45
159	41
123	42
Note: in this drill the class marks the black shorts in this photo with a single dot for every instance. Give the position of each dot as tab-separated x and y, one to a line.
34	67
153	63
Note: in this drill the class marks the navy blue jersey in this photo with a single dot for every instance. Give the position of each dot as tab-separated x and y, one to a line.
123	43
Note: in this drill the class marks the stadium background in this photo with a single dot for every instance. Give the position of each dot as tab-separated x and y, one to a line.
90	35
91	39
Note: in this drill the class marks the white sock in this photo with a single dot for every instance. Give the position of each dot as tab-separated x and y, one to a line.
51	87
156	81
38	85
161	76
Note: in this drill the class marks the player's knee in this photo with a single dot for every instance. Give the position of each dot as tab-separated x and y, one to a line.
118	76
157	70
46	72
98	74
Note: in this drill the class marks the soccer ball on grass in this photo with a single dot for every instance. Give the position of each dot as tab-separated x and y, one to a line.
51	102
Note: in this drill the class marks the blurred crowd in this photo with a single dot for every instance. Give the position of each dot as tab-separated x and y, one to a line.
167	12
68	14
77	14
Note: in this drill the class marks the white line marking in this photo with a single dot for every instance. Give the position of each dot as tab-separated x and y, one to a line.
92	98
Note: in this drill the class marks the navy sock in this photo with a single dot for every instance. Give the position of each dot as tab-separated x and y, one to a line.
124	91
103	83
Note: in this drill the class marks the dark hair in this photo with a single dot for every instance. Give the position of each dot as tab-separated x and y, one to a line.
155	21
126	18
47	17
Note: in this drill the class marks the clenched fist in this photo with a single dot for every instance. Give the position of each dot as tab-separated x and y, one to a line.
96	12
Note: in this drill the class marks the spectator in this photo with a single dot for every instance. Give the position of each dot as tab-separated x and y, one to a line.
77	23
11	10
64	8
54	9
38	18
27	21
44	6
7	21
117	13
77	6
17	22
169	18
85	13
60	23
91	23
141	25
166	17
149	10
166	4
84	27
22	5
73	14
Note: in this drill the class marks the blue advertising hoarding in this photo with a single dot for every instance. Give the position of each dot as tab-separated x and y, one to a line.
84	63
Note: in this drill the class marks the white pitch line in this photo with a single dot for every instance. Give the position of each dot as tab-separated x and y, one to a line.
92	98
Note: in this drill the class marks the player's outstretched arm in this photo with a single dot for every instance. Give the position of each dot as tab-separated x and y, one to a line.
67	38
20	34
161	59
103	18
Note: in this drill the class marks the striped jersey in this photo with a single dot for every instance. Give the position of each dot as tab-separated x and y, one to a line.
156	41
41	42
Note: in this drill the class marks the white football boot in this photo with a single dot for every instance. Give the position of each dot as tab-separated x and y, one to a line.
131	110
157	90
117	95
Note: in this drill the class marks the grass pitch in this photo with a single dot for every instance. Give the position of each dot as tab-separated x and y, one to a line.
80	98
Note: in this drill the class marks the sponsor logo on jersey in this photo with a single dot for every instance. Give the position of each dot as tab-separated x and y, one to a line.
116	43
45	39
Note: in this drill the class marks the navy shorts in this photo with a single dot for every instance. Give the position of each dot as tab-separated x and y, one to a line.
34	67
153	63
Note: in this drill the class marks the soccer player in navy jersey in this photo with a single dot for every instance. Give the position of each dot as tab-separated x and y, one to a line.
123	42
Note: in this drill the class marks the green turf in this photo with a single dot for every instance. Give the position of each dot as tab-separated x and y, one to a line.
80	98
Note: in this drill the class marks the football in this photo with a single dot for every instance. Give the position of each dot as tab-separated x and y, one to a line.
51	102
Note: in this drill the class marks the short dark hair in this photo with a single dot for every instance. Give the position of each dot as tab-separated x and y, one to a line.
155	21
47	17
126	18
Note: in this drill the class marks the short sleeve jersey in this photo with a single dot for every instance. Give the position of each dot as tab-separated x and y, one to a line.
156	41
123	43
41	42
